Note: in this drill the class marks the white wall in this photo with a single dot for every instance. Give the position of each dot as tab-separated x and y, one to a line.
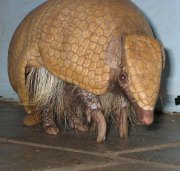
163	15
11	14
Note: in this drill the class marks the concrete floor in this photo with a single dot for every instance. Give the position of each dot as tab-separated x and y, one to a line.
23	148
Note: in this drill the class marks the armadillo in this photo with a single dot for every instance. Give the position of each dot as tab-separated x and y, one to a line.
76	62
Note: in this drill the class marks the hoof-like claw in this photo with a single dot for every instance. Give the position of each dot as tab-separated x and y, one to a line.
51	130
101	122
123	127
100	139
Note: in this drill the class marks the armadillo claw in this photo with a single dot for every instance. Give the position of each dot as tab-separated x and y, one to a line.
89	118
100	139
81	128
123	129
101	122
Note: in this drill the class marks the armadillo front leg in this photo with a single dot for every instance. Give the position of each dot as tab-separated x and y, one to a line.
94	111
48	122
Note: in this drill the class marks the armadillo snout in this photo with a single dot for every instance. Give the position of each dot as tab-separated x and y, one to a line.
145	117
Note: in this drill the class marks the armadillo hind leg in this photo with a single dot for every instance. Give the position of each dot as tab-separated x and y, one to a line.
94	111
122	118
48	122
42	92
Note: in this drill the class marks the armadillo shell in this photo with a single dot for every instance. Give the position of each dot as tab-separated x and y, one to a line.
70	39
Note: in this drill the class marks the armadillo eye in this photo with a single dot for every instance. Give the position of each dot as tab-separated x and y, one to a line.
122	77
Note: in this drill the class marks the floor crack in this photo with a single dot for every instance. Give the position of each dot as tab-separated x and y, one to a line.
111	155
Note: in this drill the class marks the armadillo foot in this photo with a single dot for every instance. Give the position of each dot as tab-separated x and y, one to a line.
51	130
77	124
123	124
48	122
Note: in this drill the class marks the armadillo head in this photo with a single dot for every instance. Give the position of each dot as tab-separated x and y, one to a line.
141	74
